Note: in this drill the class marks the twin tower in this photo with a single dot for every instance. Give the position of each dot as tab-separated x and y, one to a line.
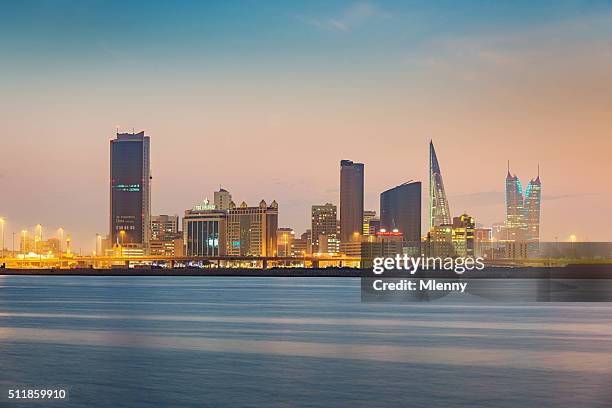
522	210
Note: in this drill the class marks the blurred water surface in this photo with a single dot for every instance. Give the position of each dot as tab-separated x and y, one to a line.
292	342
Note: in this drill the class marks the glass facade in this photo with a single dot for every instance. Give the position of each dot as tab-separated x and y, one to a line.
351	199
129	189
439	213
400	208
204	233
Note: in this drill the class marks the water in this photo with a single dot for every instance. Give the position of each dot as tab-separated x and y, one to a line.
292	342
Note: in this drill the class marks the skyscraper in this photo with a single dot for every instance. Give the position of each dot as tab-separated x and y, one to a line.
523	211
130	193
439	214
351	199
515	220
324	223
400	208
533	197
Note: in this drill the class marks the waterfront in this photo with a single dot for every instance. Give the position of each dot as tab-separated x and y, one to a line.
284	342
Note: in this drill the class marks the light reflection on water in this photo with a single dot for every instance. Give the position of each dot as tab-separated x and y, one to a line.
292	342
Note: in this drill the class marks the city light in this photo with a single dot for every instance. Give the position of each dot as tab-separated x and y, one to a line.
2	224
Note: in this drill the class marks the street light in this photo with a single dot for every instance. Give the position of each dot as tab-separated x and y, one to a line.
61	238
2	223
25	234
122	235
98	244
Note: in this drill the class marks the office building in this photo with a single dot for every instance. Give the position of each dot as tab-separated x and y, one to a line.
515	221
302	245
205	231
463	236
440	241
324	223
164	224
439	213
351	199
368	215
251	231
284	241
533	197
374	225
382	244
400	208
523	211
130	194
168	245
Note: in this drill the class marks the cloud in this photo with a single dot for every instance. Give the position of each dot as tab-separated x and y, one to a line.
354	16
491	198
546	197
482	199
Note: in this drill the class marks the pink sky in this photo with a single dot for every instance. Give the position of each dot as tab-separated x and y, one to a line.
538	96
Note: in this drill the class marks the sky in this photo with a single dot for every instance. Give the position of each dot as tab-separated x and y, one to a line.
265	98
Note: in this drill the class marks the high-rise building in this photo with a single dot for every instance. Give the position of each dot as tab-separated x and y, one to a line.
351	199
439	213
223	198
400	208
130	193
463	235
523	211
324	220
532	201
515	221
251	231
164	224
368	215
205	231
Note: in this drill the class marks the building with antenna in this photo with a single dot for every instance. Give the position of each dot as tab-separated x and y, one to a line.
523	210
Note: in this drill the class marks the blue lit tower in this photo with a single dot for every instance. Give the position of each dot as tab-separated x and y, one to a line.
515	220
531	211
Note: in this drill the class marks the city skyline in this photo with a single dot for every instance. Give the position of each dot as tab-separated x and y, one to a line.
522	221
223	79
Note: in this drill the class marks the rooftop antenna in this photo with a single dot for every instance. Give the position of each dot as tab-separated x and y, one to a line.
538	170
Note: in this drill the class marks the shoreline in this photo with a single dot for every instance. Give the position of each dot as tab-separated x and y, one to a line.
585	271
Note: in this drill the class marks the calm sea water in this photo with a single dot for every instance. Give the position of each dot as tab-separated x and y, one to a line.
292	342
